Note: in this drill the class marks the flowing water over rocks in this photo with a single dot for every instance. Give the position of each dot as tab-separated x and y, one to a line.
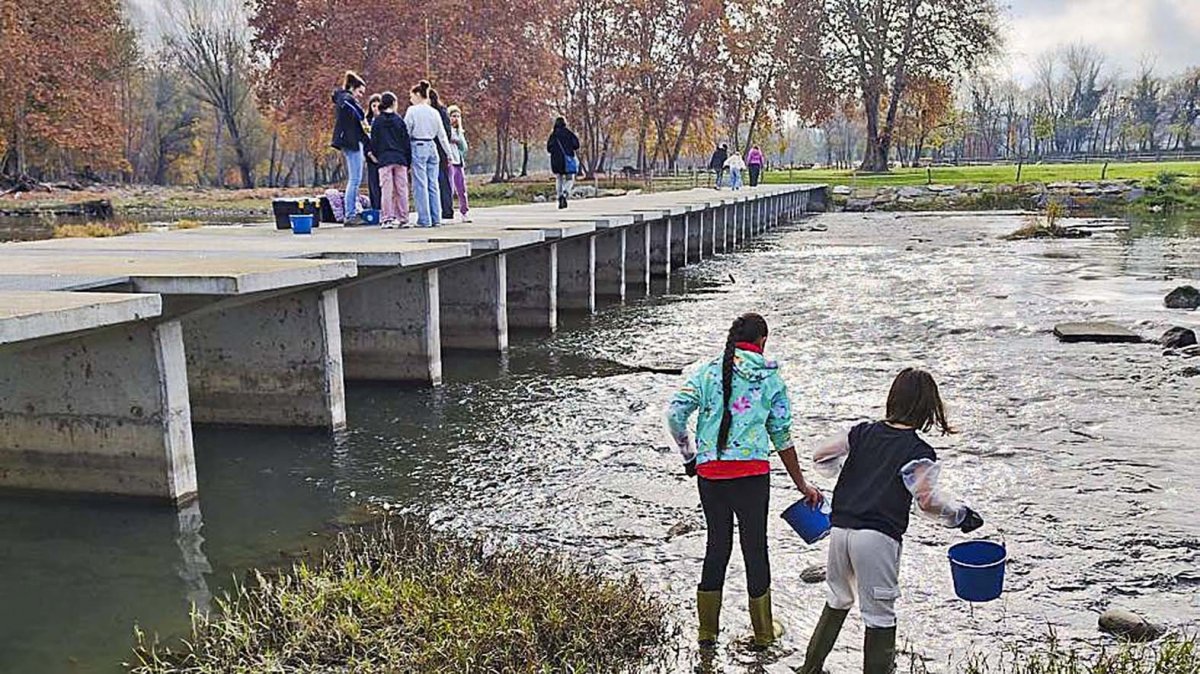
1082	457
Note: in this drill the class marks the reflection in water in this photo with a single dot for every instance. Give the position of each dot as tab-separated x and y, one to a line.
1082	455
195	565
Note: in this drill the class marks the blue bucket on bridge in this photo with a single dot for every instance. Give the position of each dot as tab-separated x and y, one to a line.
978	570
370	216
811	523
301	224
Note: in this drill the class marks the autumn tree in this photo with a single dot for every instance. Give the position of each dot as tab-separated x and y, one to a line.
207	40
923	110
771	63
667	66
584	35
60	63
877	48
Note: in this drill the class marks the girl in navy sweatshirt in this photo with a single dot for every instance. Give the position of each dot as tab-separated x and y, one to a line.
883	465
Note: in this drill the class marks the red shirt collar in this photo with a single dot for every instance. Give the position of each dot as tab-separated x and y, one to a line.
749	346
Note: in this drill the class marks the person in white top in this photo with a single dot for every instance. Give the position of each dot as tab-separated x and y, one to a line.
425	129
736	165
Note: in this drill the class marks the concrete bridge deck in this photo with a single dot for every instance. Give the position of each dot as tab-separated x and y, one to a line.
251	325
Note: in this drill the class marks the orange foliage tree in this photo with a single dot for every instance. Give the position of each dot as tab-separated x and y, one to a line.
770	63
60	63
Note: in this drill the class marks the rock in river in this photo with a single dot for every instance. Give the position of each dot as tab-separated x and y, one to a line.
1129	625
1106	333
813	574
1183	297
1177	338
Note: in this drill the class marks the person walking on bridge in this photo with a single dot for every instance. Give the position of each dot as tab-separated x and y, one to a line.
755	160
562	146
744	411
717	163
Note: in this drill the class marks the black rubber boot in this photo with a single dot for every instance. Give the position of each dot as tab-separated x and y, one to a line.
879	650
823	639
562	202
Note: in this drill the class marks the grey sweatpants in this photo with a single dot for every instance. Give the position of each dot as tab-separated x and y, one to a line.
865	563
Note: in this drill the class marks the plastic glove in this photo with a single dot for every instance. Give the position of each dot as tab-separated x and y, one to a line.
690	468
971	522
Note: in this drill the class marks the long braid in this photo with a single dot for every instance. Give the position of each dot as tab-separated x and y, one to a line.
727	382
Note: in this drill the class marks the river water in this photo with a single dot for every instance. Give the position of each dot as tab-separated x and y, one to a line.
1083	458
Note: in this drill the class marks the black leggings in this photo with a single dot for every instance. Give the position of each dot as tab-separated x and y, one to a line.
746	498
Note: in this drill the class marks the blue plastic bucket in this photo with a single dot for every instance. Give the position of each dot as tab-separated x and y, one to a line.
811	523
370	216
978	570
301	224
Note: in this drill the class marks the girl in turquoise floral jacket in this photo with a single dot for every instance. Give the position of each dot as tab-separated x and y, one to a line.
743	413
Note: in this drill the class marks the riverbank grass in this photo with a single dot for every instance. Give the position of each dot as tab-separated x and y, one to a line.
1175	654
399	597
1188	171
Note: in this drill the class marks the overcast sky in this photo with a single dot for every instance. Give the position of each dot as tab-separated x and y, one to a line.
1125	31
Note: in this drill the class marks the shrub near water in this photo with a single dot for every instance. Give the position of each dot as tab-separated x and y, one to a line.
399	597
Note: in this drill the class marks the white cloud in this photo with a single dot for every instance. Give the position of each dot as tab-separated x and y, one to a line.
1125	31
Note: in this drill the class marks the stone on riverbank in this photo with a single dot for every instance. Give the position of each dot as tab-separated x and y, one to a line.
813	574
1129	625
1103	333
1183	297
1178	338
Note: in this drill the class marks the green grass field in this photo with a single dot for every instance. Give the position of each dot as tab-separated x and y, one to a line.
990	175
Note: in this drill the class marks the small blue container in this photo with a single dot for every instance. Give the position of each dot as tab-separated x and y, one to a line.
811	523
370	216
301	224
978	570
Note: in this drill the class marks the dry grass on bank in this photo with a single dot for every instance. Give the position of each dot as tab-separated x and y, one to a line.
97	230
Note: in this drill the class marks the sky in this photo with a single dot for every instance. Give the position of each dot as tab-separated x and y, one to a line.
1125	32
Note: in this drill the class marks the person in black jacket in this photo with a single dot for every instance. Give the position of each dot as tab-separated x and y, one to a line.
349	136
884	467
393	151
717	163
372	164
446	194
562	146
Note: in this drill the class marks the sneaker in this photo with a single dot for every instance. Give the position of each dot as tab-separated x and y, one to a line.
388	224
353	221
465	218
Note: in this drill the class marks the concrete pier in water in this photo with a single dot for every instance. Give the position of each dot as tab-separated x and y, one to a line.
110	349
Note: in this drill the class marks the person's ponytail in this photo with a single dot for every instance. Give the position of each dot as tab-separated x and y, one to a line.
727	383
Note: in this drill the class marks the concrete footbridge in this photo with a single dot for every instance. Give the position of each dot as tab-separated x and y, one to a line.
110	349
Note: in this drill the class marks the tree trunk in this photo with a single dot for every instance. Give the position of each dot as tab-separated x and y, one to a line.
875	156
524	158
271	165
496	175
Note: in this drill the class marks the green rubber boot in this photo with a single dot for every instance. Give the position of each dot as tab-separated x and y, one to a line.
879	650
766	630
823	639
708	608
